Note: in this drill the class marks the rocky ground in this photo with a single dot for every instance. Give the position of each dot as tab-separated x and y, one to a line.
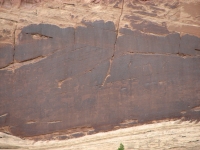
173	135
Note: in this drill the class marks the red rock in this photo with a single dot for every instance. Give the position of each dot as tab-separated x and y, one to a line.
93	69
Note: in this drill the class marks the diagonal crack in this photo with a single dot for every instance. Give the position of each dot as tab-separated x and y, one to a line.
108	73
15	64
117	34
118	28
39	36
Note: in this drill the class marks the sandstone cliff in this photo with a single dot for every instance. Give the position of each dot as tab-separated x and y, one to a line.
80	67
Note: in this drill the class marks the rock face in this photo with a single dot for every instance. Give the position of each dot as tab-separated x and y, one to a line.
80	67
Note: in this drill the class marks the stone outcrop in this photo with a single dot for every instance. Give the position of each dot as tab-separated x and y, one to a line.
80	67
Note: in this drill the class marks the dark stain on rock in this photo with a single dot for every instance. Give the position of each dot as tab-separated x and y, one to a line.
144	79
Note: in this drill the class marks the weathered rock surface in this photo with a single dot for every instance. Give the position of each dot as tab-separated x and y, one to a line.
71	66
173	135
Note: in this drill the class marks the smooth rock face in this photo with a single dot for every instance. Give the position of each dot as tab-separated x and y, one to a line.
6	55
97	75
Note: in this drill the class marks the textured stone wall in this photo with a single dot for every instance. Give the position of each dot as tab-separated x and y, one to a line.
82	67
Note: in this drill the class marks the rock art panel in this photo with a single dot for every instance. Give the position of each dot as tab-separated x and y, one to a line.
84	76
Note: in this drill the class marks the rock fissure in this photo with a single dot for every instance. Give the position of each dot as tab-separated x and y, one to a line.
117	33
39	36
162	54
108	73
15	64
7	67
118	26
32	59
